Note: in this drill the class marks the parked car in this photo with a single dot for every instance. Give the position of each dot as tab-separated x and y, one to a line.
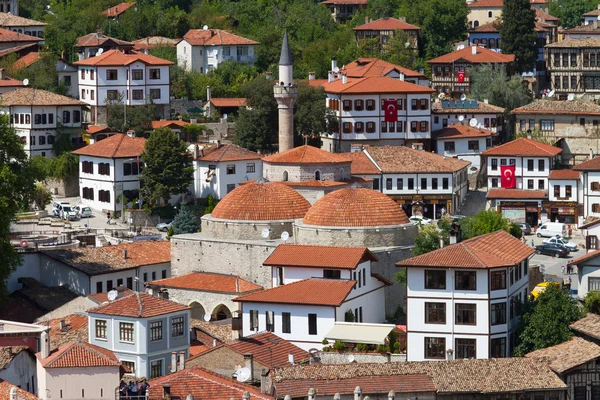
57	207
418	220
84	211
560	241
525	228
553	250
164	226
551	229
68	213
541	287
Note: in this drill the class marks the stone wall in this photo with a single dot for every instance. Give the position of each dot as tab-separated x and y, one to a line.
225	362
397	235
210	301
63	188
303	173
244	230
395	295
141	218
334	357
221	130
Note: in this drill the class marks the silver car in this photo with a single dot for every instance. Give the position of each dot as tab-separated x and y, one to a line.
69	213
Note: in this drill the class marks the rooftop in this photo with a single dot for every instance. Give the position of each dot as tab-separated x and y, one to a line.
516	194
99	39
495	27
375	67
119	9
38	97
118	58
227	152
361	164
355	207
373	84
588	29
228	101
563	174
8	36
105	259
589	165
173	123
26	60
139	305
8	353
460	131
567	355
586	257
151	42
524	147
588	325
47	298
94	129
209	282
593	13
305	155
496	249
577	107
115	146
6	387
312	291
544	16
9	19
386	24
485	4
579	43
344	2
215	37
482	55
482	108
402	159
75	330
309	256
79	355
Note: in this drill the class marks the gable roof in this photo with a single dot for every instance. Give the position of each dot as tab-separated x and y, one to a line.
551	107
589	165
361	164
228	101
386	24
227	152
544	16
460	131
8	354
485	4
524	147
576	43
373	84
496	249
588	325
498	193
9	19
6	387
312	291
209	282
115	146
7	36
482	55
567	355
310	256
118	58
151	42
117	10
564	174
139	305
26	61
305	155
585	257
94	129
79	355
29	96
215	37
99	39
402	159
362	67
174	123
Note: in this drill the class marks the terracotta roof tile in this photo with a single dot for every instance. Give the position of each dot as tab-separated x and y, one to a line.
563	174
271	201
29	96
218	37
197	348
9	19
7	36
118	58
482	108
542	15
516	194
79	355
589	165
309	256
593	13
76	330
354	207
493	26
374	84
375	67
220	332
361	164
524	147
227	152
305	155
567	355
93	129
105	259
559	107
578	43
482	55
401	159
115	146
98	39
8	353
228	102
387	24
590	324
26	61
209	282
312	291
344	2
584	258
139	305
151	42
460	131
177	124
18	49
496	249
586	29
117	10
485	4
202	384
329	184
6	387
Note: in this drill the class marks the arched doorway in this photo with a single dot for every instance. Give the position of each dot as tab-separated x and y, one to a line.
198	311
317	175
221	312
285	176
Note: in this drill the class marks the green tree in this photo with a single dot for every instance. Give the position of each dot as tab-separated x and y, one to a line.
517	33
43	75
211	204
136	118
185	221
310	114
41	196
428	238
592	302
487	221
400	51
167	168
571	12
545	322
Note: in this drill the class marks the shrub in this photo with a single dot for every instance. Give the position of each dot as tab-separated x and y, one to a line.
396	347
349	316
592	302
362	347
339	346
382	348
325	342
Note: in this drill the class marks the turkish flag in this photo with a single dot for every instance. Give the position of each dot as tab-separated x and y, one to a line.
508	179
461	77
390	108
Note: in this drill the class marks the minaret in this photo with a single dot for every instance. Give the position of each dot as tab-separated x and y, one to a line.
286	93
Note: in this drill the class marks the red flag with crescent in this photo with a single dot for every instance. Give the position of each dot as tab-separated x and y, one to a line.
390	108
508	180
461	77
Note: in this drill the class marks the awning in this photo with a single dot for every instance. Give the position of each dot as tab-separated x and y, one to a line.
351	332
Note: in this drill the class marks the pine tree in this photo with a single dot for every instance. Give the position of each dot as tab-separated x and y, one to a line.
185	221
517	34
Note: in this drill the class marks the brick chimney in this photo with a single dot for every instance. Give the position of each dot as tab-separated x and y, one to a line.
249	363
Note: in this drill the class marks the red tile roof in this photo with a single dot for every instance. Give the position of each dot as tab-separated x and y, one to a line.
76	330
344	2
261	202
553	107
374	84
215	37
402	159
312	291
585	257
8	19
26	61
202	384
228	102
355	207
485	4
177	124
29	96
563	174
589	165
196	348
309	256
460	131
118	58
227	152
79	355
375	67
6	387
496	249
115	146
524	147
482	55
209	282
8	36
305	155
493	26
361	164
387	24
516	194
93	129
139	305
117	10
151	42
98	39
8	82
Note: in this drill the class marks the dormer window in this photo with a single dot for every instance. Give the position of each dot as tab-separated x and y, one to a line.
332	274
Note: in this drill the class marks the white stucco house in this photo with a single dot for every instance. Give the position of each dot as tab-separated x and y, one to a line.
202	50
565	193
460	298
590	184
15	23
313	288
463	142
588	272
18	367
487	116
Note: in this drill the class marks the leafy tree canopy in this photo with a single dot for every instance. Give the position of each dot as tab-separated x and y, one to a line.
571	12
517	33
185	221
487	221
123	119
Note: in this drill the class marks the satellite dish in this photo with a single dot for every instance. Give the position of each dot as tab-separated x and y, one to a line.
112	295
336	69
24	243
100	51
551	93
570	97
460	47
463	97
351	358
205	27
243	374
285	236
461	118
48	7
473	122
265	233
25	82
206	317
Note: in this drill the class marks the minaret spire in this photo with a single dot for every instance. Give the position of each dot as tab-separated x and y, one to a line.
286	92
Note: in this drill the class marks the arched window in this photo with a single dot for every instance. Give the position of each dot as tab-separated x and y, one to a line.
475	24
489	14
221	312
197	310
285	176
317	175
342	174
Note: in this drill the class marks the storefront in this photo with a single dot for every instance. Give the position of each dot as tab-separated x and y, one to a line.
430	206
520	211
561	211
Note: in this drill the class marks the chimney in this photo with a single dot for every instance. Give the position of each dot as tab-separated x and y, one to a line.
63	325
333	64
312	76
357	393
124	253
249	363
595	24
366	19
591	153
402	19
208	93
174	361
337	396
598	6
474	50
13	393
391	395
330	76
181	360
218	144
441	242
45	345
401	76
269	76
80	55
263	380
486	101
344	79
312	394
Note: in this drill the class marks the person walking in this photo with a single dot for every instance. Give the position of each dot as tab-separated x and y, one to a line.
569	283
108	217
569	268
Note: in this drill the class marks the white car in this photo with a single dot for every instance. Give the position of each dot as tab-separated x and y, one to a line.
57	207
562	242
418	220
83	211
68	213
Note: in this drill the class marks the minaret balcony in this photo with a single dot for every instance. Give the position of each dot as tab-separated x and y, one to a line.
283	90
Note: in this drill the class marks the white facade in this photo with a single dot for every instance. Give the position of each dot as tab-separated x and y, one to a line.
21	371
206	58
590	196
438	315
531	172
467	148
218	178
67	75
77	383
569	190
588	276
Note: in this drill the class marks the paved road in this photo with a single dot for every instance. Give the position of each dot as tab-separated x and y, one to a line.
552	267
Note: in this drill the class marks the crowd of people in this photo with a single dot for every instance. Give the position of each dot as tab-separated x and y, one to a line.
133	390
